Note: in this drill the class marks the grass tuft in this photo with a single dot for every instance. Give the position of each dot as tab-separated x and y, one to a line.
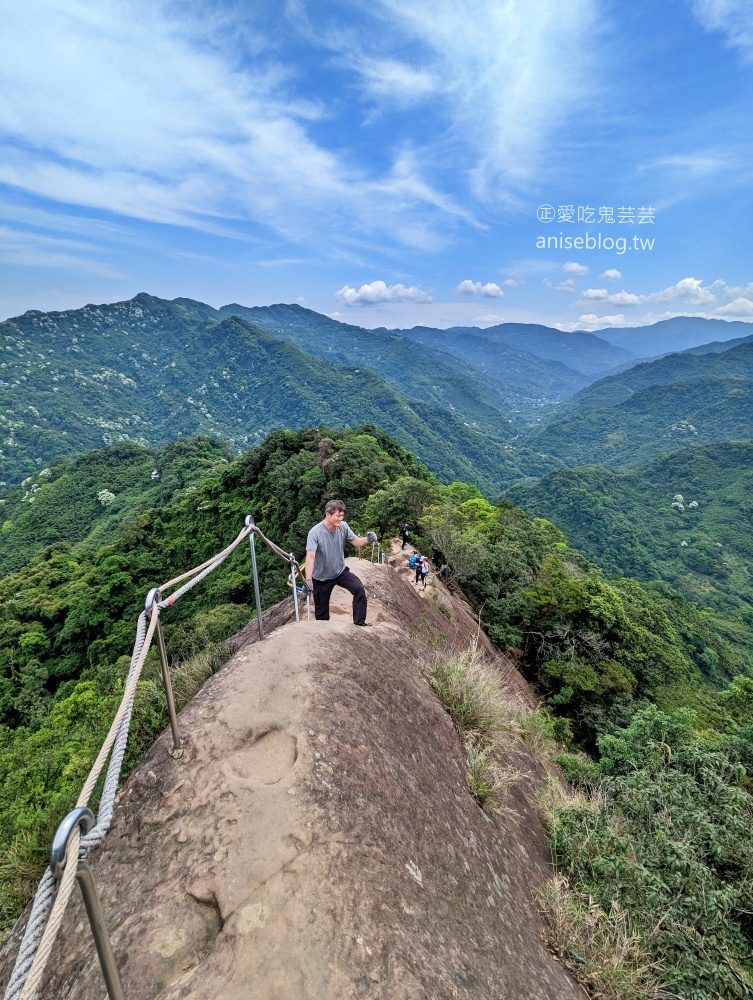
489	725
601	950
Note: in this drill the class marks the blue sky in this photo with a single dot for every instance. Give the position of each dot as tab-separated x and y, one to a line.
384	162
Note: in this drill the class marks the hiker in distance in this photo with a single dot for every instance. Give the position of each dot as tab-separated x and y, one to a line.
404	532
325	562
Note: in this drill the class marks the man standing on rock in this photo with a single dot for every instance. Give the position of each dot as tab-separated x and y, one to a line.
325	562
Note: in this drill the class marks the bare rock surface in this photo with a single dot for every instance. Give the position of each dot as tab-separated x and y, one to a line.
317	839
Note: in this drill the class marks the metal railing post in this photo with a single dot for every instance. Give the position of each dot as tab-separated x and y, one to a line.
250	523
84	817
151	598
293	584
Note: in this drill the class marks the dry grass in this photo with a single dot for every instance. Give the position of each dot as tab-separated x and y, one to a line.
488	723
601	950
439	602
471	692
190	675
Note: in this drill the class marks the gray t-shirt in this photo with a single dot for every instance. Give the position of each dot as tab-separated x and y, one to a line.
329	546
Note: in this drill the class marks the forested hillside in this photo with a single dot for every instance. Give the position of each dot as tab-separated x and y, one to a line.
625	669
580	352
629	419
686	519
150	371
85	501
485	395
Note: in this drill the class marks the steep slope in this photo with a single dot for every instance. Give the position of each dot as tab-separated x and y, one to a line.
149	371
317	838
629	419
421	374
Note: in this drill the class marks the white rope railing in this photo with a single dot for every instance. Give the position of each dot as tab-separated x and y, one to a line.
48	908
46	915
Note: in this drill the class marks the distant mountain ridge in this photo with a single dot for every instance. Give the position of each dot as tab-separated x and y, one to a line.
680	333
583	353
517	379
627	420
150	371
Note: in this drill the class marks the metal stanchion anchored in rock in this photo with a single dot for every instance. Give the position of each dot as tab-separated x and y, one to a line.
80	831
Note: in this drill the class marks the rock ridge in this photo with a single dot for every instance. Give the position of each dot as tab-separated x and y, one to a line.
317	839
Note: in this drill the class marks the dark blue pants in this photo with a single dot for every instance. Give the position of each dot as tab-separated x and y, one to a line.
323	590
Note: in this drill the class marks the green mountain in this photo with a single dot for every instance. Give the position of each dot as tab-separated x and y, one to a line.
676	334
718	346
686	519
618	666
626	420
149	371
85	501
434	377
585	353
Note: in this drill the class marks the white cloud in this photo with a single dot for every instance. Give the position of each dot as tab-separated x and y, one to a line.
378	291
490	290
612	298
566	286
513	282
612	274
593	322
690	289
741	308
126	108
503	74
397	81
488	319
738	291
577	269
30	249
703	164
734	18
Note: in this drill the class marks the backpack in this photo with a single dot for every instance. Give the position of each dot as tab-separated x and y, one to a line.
412	560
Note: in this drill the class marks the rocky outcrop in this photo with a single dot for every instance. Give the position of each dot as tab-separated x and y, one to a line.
317	840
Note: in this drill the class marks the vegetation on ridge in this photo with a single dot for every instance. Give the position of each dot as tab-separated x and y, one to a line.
148	371
628	420
652	703
684	521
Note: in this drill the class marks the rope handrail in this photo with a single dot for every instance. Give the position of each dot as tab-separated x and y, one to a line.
48	908
46	917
